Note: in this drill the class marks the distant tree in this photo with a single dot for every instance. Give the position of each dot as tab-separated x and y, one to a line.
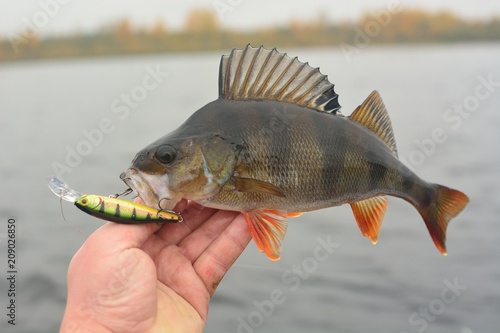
444	22
159	28
123	29
202	20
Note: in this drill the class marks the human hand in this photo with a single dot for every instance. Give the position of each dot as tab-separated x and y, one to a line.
151	278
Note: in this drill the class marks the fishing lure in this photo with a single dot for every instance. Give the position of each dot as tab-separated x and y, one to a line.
123	211
111	208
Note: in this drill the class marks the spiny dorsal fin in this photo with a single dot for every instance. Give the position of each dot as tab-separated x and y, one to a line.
373	115
258	74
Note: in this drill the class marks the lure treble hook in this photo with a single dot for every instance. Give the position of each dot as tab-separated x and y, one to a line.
124	193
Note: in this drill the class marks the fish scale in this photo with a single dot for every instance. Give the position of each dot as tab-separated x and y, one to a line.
275	145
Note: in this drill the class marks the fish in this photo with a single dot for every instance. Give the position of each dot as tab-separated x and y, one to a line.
124	211
274	145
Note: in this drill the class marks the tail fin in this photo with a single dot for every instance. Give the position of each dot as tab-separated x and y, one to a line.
447	203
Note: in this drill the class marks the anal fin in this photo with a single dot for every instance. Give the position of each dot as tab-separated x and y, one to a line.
268	229
369	214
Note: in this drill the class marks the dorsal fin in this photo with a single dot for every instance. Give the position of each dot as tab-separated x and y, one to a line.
262	74
373	115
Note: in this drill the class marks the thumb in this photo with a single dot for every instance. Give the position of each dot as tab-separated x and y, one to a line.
117	237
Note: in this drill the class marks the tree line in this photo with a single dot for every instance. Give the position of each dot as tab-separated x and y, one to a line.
202	31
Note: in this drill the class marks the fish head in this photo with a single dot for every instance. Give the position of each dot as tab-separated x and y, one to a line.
176	167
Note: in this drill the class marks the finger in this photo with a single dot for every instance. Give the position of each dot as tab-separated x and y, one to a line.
119	237
172	234
194	244
109	241
193	215
176	272
106	271
213	264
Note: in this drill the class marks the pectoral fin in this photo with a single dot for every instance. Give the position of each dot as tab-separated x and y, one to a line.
369	214
294	214
257	186
268	229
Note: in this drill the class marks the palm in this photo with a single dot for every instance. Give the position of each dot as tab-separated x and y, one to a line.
159	281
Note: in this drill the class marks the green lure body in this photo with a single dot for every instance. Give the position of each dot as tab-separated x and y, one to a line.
124	211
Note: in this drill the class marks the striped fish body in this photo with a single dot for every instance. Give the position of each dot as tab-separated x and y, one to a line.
316	159
274	145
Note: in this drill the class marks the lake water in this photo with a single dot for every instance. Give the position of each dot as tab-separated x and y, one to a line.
402	284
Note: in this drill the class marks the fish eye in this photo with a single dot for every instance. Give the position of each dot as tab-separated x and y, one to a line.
84	201
166	154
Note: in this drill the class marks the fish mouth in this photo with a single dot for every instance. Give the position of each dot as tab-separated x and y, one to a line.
152	189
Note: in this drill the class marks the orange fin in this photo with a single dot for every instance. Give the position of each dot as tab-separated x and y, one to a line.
296	214
447	204
258	186
369	214
268	229
373	115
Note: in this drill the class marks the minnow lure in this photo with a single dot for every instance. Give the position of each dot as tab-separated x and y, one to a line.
123	211
111	208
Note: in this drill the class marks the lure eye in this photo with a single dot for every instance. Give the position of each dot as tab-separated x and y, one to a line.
166	154
84	202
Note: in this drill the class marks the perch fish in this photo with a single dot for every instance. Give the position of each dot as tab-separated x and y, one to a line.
274	145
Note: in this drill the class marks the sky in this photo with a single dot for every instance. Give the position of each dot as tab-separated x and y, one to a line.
56	17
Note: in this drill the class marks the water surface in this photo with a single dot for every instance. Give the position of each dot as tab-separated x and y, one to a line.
50	107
